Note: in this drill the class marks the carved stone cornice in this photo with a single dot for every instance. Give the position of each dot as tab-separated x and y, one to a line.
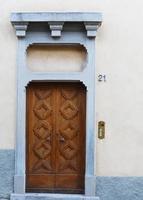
56	20
21	28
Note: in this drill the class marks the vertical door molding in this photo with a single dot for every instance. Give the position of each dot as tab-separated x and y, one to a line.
56	28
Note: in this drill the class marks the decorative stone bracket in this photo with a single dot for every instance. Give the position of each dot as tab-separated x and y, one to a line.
56	28
20	28
92	28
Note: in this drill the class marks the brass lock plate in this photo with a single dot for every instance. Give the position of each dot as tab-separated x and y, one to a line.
101	130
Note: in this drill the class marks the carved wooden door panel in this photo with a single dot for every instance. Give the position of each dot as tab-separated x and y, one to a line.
55	138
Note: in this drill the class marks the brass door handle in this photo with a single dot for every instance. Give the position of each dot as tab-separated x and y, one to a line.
62	139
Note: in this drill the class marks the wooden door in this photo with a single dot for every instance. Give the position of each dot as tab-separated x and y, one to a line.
55	138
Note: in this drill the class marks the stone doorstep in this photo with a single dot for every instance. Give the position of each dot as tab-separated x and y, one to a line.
35	196
3	199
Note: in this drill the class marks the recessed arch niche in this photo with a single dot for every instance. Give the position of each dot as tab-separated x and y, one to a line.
54	58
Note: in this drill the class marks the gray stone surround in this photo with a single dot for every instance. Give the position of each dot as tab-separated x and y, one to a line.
6	173
107	188
56	28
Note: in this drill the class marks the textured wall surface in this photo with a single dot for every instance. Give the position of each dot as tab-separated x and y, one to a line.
120	188
119	100
6	173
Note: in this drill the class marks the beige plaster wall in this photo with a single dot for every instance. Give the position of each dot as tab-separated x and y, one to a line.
119	100
43	58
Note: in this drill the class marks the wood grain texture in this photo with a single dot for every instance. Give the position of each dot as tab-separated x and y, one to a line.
55	138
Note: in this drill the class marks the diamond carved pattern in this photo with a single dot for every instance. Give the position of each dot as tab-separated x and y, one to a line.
42	164
68	133
42	110
42	149
68	93
68	164
42	129
69	150
68	110
54	131
42	94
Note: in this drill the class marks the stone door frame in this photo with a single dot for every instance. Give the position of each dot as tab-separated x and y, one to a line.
56	35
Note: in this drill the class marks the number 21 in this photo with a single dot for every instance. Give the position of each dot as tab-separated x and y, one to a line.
101	78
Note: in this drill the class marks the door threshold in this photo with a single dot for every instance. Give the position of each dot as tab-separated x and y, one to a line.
49	196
